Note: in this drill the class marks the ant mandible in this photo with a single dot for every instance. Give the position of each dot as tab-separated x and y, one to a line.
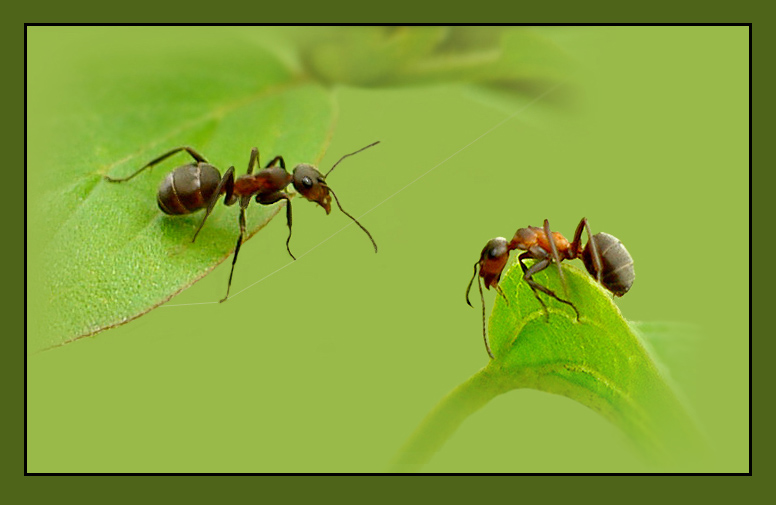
199	185
604	256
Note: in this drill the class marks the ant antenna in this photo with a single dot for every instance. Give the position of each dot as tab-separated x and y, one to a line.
351	154
482	299
484	324
346	213
469	287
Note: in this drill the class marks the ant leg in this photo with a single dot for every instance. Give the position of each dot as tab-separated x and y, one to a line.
289	220
531	283
597	262
254	160
351	217
525	255
236	252
555	255
501	292
577	249
274	161
226	184
484	325
194	154
274	198
538	267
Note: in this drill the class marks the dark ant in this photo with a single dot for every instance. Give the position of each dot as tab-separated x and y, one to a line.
612	266
199	185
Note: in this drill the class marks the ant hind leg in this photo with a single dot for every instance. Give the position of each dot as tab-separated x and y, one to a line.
225	185
194	154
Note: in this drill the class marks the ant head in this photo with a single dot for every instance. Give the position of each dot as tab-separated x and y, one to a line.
311	184
493	259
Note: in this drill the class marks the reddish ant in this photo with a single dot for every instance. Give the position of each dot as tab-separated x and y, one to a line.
604	256
199	185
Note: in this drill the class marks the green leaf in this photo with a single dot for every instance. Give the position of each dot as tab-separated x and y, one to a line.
518	60
106	253
365	55
597	361
675	347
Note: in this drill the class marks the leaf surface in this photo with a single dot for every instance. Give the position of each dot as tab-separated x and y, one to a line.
596	360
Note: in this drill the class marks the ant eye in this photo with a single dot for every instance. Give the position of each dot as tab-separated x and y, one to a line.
496	248
307	182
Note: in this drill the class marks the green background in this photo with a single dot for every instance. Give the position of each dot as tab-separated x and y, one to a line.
329	364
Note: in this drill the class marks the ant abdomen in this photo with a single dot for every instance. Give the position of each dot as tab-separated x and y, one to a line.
188	189
617	273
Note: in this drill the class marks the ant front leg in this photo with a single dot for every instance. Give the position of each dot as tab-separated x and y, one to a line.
289	221
225	185
194	154
274	198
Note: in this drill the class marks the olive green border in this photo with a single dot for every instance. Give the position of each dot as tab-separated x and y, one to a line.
364	488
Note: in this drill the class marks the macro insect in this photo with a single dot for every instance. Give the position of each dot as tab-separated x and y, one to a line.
199	185
604	256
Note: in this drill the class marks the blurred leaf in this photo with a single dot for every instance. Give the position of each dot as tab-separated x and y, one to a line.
106	252
510	58
675	347
112	98
365	55
597	361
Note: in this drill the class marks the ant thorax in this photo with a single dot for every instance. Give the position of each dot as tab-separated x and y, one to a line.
527	238
267	180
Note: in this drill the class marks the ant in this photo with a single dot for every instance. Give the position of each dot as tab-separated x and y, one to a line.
199	185
604	256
